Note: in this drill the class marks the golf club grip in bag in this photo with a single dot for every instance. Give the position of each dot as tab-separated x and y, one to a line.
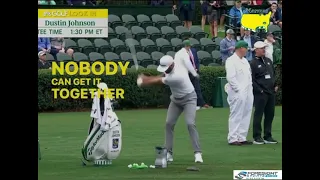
101	144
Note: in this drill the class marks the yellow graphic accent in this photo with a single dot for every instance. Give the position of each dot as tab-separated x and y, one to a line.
255	21
72	13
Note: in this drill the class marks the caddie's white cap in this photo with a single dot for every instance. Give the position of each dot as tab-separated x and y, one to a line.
259	44
102	86
41	53
165	62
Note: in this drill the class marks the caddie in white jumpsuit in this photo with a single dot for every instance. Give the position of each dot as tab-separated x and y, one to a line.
240	95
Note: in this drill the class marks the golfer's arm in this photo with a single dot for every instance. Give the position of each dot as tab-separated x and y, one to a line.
153	80
187	63
231	76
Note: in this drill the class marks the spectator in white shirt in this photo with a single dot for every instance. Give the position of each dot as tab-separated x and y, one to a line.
269	49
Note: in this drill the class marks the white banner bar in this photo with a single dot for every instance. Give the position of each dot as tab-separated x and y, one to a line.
73	23
73	32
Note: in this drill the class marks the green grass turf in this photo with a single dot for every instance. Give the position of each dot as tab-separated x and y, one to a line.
62	136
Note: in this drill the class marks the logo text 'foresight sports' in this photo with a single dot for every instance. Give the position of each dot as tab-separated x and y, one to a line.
257	174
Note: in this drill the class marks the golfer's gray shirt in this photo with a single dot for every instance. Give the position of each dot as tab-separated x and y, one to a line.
179	83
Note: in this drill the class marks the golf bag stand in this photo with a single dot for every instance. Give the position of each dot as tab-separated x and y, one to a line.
102	146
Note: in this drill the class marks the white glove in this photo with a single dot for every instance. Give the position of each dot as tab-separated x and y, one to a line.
197	76
139	81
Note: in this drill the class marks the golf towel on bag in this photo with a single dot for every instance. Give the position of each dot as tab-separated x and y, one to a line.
105	133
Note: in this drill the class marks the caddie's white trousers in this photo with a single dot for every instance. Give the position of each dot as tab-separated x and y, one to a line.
241	104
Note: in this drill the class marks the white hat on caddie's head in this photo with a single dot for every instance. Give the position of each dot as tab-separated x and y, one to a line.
259	44
164	63
103	86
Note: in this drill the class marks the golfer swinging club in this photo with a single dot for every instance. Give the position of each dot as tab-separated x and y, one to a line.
183	99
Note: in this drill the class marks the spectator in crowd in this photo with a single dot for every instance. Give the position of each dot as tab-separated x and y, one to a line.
257	2
44	44
192	52
76	2
58	45
212	10
280	10
269	48
275	14
246	2
250	40
156	2
236	13
227	45
46	2
222	11
204	5
186	11
42	63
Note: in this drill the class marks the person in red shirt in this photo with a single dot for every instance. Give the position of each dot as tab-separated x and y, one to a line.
257	2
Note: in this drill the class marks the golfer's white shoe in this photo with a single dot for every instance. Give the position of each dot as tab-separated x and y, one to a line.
198	107
198	158
169	157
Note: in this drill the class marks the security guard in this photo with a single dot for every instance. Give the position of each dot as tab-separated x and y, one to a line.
264	88
240	96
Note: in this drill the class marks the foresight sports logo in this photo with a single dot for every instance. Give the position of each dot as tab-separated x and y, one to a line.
257	174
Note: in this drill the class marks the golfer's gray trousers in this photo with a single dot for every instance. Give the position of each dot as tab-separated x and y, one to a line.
188	105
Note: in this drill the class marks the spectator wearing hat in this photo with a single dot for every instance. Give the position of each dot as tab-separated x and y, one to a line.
240	95
44	44
264	89
186	11
250	40
227	45
42	62
236	13
269	48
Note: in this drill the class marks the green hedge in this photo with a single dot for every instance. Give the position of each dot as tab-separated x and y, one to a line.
135	97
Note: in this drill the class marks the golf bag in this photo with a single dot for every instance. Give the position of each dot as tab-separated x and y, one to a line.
104	140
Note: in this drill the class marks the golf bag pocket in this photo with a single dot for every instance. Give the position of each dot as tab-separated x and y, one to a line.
103	144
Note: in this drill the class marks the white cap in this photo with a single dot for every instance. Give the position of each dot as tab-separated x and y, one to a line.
259	44
229	31
102	86
41	53
165	62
